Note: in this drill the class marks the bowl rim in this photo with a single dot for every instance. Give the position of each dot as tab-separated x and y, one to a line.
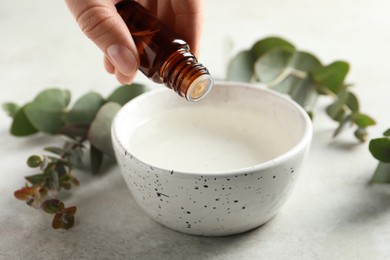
303	142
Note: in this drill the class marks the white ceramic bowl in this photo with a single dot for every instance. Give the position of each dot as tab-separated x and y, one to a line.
220	200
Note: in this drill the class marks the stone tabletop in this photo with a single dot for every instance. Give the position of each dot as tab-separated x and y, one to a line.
332	213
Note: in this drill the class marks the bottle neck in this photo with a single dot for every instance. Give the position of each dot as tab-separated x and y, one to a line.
185	75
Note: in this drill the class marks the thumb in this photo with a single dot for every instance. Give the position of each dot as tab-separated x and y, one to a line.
100	22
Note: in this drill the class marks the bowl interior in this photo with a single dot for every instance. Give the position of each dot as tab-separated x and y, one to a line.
235	127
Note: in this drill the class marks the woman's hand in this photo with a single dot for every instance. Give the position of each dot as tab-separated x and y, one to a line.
100	22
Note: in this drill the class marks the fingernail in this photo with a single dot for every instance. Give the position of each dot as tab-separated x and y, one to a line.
123	59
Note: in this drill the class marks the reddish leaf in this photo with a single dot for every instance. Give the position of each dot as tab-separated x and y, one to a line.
64	219
25	193
69	210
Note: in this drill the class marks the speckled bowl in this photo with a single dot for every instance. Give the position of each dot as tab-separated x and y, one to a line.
218	203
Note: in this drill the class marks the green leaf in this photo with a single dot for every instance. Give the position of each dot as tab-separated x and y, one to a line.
303	92
85	109
34	161
11	109
380	149
337	110
96	159
75	130
54	181
99	133
352	102
387	132
362	120
36	179
265	45
75	157
331	76
304	61
281	60
240	68
55	150
272	64
46	111
125	93
52	206
21	125
60	168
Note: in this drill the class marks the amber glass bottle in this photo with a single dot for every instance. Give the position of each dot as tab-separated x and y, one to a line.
164	56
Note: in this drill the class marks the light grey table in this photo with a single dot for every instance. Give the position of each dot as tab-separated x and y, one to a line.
332	212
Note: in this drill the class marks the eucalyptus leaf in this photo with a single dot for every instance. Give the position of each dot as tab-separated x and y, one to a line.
304	61
380	149
34	161
75	157
240	68
362	120
47	109
61	169
36	179
331	76
64	219
387	132
303	92
281	60
286	84
55	150
85	109
99	133
55	181
21	125
352	102
265	45
299	89
11	109
25	193
272	64
74	130
125	93
337	110
52	206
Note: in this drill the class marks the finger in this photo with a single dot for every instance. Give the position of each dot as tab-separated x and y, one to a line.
188	21
100	21
151	5
124	79
166	14
108	65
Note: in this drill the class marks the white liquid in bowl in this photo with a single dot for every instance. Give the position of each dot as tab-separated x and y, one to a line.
210	139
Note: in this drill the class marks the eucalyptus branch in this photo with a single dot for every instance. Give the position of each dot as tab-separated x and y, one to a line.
279	65
41	189
88	121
